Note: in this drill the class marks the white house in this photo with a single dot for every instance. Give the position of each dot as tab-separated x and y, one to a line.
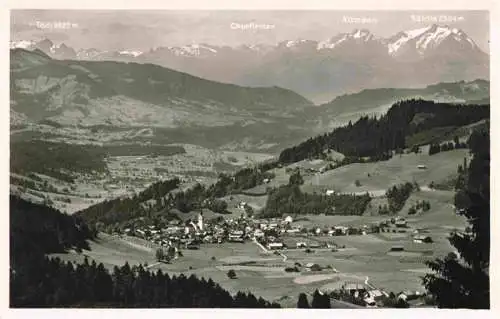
275	246
289	219
301	245
330	192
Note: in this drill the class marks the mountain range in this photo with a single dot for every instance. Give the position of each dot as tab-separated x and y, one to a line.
318	70
176	107
131	94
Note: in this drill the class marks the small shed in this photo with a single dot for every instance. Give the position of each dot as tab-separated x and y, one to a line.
312	267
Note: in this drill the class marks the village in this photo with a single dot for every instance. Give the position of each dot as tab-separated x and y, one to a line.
281	237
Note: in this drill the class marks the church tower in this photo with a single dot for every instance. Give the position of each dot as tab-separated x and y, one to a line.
200	221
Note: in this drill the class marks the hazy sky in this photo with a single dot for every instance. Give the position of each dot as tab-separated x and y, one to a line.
142	30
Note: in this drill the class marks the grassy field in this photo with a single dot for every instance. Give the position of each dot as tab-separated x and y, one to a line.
263	273
364	257
379	176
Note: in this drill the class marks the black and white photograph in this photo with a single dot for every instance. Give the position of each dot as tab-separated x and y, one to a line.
319	159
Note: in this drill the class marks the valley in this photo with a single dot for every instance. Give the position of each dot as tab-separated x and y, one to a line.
345	172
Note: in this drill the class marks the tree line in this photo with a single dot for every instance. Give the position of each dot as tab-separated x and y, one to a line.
45	282
398	194
289	199
124	209
59	160
374	137
435	148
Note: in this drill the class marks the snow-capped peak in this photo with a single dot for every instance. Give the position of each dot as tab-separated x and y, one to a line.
362	34
194	49
424	38
437	34
133	53
22	44
333	42
357	35
293	43
416	32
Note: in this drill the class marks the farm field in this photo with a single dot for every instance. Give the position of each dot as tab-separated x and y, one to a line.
379	176
263	273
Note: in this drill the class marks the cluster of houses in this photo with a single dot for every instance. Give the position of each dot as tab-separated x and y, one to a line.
374	297
189	234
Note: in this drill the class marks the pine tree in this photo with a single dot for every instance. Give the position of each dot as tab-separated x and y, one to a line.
320	301
463	281
303	302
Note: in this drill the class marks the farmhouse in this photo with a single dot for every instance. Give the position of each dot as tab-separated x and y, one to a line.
401	223
408	295
340	230
312	267
236	236
301	245
422	239
354	288
275	246
421	166
374	297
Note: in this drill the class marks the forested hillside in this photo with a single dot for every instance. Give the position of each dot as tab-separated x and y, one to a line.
45	282
122	210
59	160
376	138
37	229
462	280
289	199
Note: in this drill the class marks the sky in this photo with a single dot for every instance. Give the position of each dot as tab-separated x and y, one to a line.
143	30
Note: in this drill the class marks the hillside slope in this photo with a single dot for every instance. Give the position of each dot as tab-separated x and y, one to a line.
90	93
378	137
